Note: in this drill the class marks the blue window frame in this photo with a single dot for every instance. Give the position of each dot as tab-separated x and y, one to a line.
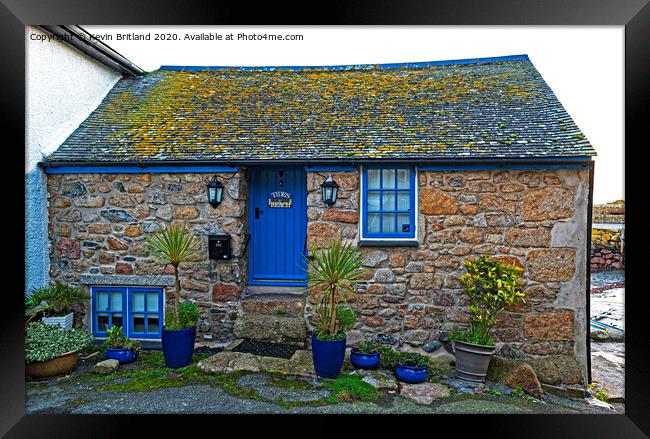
138	310
388	202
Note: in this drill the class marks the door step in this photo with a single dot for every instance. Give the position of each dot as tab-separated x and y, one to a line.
276	304
271	328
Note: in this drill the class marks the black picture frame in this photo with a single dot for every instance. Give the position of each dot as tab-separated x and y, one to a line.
633	14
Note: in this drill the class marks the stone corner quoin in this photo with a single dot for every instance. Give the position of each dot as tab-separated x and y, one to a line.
98	224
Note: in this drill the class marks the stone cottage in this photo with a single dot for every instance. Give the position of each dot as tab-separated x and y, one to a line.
435	162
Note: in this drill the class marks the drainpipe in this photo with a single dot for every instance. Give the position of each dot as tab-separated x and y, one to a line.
590	206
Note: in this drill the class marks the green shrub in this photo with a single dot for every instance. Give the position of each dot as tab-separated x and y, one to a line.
368	347
491	285
188	315
412	359
45	342
117	340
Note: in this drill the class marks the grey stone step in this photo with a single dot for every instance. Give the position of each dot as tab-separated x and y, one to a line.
272	328
273	303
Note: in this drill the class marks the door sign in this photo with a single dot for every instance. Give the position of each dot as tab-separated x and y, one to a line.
280	200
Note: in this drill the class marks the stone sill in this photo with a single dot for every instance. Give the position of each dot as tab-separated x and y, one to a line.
409	243
130	280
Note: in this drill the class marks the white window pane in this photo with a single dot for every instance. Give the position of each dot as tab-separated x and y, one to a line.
138	302
403	178
373	223
403	200
373	178
388	223
404	223
138	323
116	301
152	302
388	200
388	178
102	301
373	200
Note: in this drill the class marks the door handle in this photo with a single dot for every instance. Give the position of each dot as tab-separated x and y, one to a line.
258	212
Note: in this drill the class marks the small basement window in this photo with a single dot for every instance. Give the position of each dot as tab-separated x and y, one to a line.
138	310
388	203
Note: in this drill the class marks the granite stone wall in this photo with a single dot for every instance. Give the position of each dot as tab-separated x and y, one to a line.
533	219
98	224
607	249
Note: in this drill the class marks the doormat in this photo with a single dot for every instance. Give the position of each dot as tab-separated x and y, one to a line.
266	349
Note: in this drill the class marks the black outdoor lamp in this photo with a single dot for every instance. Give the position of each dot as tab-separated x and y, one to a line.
329	191
215	192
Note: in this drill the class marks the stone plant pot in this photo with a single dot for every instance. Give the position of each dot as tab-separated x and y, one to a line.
65	322
472	360
58	366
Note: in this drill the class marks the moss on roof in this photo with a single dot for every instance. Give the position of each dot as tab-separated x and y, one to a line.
485	109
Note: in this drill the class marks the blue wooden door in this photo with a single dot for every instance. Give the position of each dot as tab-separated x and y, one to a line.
278	225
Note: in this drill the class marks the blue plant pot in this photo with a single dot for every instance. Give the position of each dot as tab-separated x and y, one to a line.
412	374
328	356
122	355
364	361
178	346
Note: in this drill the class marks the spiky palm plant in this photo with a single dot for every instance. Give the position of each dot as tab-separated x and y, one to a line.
173	245
333	271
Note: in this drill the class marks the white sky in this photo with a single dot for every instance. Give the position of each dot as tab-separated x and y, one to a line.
584	65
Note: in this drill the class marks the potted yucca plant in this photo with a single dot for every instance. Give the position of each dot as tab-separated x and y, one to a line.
491	285
332	273
174	245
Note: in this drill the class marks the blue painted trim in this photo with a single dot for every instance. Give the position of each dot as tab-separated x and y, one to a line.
94	311
147	333
364	202
136	169
332	168
379	243
251	219
510	167
403	65
277	284
126	311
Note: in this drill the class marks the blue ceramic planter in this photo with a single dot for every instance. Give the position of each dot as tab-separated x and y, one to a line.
328	356
122	355
178	346
412	374
364	361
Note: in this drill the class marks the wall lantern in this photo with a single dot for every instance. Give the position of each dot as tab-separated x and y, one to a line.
215	192
329	191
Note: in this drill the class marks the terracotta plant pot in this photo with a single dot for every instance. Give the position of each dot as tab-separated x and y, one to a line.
58	366
472	360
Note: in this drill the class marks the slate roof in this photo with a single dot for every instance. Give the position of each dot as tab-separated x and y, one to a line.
481	108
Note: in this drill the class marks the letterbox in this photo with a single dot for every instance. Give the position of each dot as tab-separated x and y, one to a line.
219	247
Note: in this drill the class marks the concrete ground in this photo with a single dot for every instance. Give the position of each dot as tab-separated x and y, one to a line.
83	393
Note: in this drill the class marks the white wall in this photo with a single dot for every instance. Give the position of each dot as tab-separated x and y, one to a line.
63	86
